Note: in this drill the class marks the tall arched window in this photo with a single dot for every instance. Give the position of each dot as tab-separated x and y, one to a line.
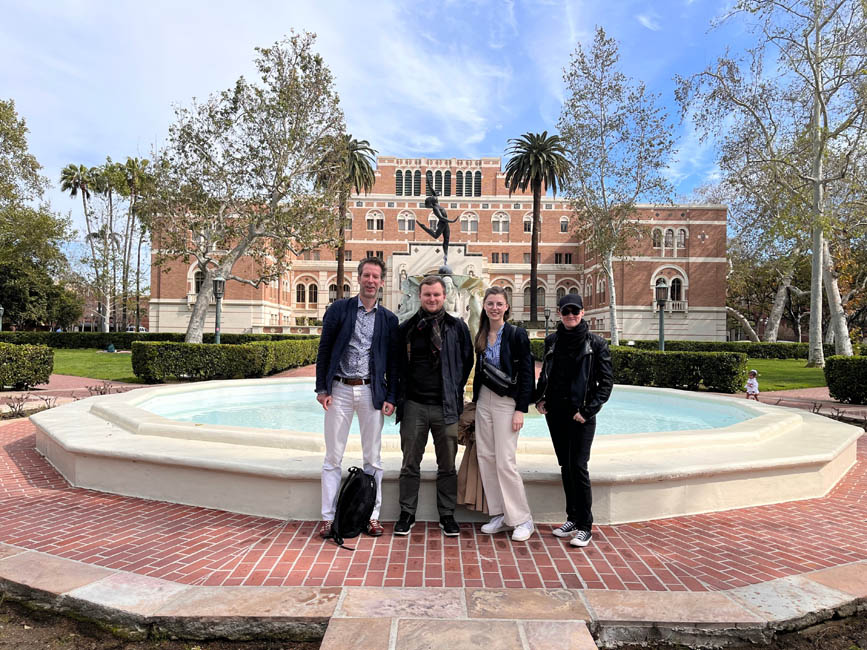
416	183
459	184
540	297
428	183
468	184
477	186
500	222
448	180
313	294
438	183
198	280
469	222
681	238
669	238
600	286
676	290
406	221
407	183
574	290
398	185
657	238
527	298
332	293
564	224
528	223
300	294
508	292
561	291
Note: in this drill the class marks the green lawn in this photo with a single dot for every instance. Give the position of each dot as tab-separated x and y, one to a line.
785	374
96	364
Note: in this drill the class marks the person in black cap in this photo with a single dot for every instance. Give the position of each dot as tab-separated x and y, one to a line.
575	381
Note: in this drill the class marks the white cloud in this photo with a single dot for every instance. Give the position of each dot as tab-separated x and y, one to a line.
649	20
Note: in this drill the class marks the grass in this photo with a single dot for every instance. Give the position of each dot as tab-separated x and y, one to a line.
786	374
95	364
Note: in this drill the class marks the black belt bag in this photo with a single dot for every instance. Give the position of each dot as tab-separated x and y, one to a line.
496	379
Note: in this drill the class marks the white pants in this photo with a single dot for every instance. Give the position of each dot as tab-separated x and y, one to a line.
345	401
496	445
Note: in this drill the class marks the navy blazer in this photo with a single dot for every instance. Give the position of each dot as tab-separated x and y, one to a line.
522	391
337	327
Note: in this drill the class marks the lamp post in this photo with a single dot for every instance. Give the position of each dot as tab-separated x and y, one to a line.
219	288
661	299
547	317
1	317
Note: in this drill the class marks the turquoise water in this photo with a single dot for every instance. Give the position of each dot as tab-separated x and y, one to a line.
294	407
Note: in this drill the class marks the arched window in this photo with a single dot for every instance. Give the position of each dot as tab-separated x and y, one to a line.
448	187
348	224
428	183
198	281
375	220
469	222
407	183
669	238
527	298
676	290
681	238
657	238
477	189
540	297
468	184
313	294
574	290
561	291
459	184
438	183
406	221
564	224
500	222
432	221
600	286
508	292
398	184
332	293
528	223
300	294
416	183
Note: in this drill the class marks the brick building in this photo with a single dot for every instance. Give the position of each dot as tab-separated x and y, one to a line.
686	246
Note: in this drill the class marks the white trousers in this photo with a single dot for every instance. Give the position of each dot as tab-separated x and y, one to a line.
496	445
346	401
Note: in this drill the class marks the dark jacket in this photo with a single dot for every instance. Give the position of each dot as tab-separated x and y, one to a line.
593	376
337	327
522	391
456	363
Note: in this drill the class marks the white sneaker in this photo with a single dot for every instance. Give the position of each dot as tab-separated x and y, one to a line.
523	531
581	538
495	525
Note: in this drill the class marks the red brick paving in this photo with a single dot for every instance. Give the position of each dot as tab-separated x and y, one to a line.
191	545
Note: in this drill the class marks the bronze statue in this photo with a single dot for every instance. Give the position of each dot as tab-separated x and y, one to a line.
442	227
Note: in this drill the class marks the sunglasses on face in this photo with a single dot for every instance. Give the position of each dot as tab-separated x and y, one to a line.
570	311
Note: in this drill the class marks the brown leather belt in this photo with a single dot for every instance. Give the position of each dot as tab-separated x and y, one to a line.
353	381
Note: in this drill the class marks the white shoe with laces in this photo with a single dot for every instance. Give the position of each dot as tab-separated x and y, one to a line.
523	531
495	525
581	538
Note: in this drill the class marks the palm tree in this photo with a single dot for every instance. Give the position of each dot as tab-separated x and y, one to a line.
536	160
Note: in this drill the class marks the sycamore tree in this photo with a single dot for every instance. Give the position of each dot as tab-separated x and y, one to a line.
795	106
619	141
238	176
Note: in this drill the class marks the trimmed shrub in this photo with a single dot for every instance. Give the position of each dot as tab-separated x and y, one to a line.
847	379
157	361
723	372
754	350
23	366
537	348
124	340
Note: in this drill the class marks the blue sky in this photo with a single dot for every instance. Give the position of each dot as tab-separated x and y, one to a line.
437	79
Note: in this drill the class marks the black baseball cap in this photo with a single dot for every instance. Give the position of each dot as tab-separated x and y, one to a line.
571	299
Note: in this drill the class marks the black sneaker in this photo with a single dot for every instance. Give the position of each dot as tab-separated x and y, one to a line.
403	524
566	530
450	526
581	538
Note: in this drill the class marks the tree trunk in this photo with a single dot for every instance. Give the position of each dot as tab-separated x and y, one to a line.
838	326
138	282
341	248
534	249
772	328
608	265
196	326
751	333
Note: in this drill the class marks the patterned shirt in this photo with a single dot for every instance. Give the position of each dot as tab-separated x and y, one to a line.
492	352
355	362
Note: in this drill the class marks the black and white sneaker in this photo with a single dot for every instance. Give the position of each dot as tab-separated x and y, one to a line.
450	526
581	538
566	530
403	524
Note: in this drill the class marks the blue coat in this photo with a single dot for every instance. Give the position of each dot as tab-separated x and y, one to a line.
337	327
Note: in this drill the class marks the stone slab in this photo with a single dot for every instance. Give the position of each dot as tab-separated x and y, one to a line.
544	635
372	602
49	573
345	633
668	607
416	634
554	604
130	592
790	598
851	578
9	551
259	602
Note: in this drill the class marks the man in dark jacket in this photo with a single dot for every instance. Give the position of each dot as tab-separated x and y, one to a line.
436	357
356	374
575	381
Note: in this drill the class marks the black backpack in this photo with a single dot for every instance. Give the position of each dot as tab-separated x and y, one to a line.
355	503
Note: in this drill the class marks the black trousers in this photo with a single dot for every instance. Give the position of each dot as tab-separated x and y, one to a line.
572	441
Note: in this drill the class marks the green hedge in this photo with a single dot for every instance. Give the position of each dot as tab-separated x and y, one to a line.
762	350
155	361
847	379
722	372
23	366
124	340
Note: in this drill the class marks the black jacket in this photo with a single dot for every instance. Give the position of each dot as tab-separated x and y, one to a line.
456	363
522	391
593	376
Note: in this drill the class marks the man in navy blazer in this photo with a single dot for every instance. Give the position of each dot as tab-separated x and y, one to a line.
356	374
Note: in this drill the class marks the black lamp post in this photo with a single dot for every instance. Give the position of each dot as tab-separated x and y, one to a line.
547	317
219	289
1	317
661	299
